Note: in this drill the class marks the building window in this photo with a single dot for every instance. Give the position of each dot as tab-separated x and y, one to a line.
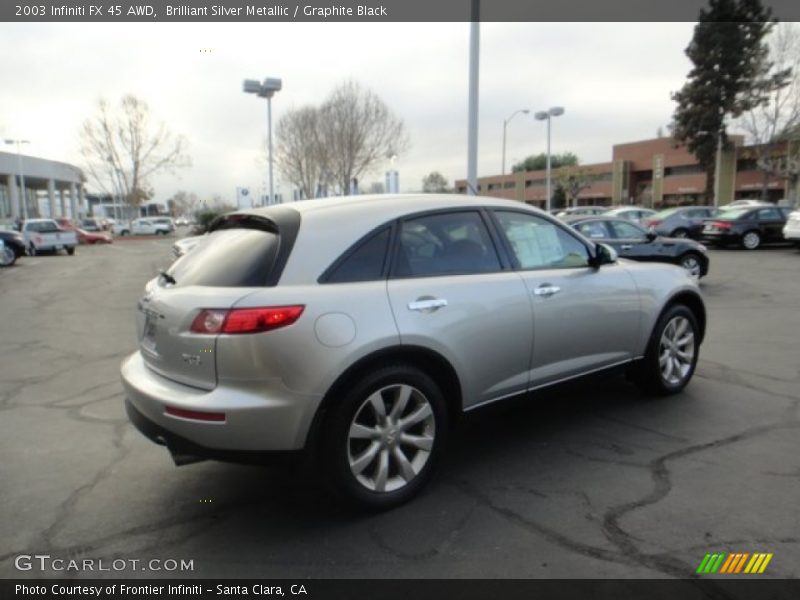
683	170
509	185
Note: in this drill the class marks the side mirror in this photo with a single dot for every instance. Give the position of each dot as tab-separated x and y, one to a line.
651	235
603	255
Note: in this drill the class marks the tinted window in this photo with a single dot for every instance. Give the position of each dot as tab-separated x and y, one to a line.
451	243
627	231
229	258
364	263
769	213
593	229
539	244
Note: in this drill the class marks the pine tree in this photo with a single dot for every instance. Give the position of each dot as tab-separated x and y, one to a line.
730	75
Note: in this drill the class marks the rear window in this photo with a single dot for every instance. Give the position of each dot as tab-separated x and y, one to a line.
229	258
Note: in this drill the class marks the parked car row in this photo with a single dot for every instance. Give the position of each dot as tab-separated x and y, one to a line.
746	223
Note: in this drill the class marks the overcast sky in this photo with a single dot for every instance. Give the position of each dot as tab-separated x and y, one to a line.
614	81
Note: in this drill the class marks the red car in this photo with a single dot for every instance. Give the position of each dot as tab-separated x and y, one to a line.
89	237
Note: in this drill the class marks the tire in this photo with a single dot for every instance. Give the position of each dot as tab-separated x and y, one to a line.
680	233
751	240
691	262
660	380
71	250
31	249
8	256
364	455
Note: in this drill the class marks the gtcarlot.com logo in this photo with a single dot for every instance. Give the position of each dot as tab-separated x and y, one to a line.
734	563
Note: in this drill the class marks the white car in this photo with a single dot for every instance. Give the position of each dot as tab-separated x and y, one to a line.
791	231
632	213
45	234
148	226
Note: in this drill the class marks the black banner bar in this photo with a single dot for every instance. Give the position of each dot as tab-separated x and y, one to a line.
150	11
393	589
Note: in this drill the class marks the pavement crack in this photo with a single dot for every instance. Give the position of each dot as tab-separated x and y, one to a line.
661	488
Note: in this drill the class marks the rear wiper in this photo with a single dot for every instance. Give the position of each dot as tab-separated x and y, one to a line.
167	277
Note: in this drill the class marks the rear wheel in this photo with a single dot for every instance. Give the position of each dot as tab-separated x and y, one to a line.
680	233
8	256
672	352
381	443
31	250
71	250
751	240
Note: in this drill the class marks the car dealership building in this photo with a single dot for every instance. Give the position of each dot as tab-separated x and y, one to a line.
654	173
51	188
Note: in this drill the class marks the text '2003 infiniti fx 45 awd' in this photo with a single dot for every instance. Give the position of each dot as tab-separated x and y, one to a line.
362	327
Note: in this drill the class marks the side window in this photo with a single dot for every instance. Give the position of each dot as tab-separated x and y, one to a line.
445	244
768	213
539	244
627	231
364	263
593	229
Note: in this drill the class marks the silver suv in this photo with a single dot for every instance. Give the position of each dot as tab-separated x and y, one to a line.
359	329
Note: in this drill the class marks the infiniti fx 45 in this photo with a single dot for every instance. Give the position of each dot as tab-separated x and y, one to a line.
360	328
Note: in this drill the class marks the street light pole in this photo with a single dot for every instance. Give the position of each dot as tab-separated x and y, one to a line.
555	111
505	126
718	167
22	198
266	90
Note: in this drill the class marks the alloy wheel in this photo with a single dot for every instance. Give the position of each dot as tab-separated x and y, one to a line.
676	351
692	265
391	438
7	256
751	240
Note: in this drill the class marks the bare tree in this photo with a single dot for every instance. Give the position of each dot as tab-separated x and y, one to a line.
573	180
358	131
183	203
772	126
300	153
123	148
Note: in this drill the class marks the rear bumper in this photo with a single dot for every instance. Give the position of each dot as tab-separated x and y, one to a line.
260	416
721	237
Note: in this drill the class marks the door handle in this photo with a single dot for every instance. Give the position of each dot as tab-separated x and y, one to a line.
626	246
430	304
546	290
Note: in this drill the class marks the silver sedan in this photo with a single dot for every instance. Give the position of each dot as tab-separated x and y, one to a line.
358	329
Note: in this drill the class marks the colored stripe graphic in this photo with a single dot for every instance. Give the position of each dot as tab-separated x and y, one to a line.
734	563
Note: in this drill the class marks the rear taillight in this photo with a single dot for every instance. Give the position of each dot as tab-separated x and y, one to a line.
652	222
723	224
245	320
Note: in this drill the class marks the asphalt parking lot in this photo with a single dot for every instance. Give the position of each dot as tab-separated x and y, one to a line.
589	480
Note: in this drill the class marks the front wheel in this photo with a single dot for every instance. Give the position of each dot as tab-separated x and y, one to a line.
672	352
751	240
8	256
691	262
381	443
